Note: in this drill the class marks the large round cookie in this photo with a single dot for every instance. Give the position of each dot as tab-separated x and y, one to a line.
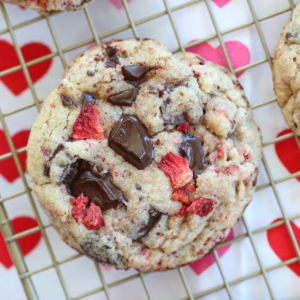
45	6
141	159
286	75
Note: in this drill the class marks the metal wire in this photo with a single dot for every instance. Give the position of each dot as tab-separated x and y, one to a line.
12	239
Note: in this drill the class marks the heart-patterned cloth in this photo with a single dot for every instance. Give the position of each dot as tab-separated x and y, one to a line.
243	47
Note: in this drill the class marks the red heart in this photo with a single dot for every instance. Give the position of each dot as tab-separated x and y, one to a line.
200	265
16	81
282	245
221	3
239	54
7	166
118	3
27	243
288	153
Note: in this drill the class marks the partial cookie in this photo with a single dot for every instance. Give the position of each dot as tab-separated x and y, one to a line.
45	6
142	159
286	71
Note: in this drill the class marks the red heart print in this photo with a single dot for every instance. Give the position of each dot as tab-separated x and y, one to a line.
221	3
200	265
288	152
8	168
16	81
238	53
118	3
27	243
281	244
22	7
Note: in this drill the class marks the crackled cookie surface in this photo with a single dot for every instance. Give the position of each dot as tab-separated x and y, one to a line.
142	159
286	71
45	6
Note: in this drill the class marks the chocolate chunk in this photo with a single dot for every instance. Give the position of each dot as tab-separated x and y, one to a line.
129	139
59	148
179	119
70	172
161	93
86	165
134	73
90	73
111	50
138	187
113	61
47	170
254	182
125	98
98	189
66	100
154	218
89	99
191	149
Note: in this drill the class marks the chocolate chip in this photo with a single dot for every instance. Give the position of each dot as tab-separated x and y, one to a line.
125	98
89	99
141	198
98	189
59	148
160	93
254	182
135	72
113	61
191	149
138	187
154	218
66	100
90	73
111	50
129	139
47	170
100	169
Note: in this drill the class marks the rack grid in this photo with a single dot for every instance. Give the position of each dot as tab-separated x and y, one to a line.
12	239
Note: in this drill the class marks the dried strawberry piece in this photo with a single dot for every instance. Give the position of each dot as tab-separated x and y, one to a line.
177	168
87	125
181	195
220	153
79	205
183	210
201	207
190	187
92	218
183	127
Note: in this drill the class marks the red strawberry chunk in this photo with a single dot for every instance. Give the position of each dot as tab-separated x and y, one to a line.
181	195
87	125
220	153
183	127
92	218
201	207
79	205
190	187
177	168
183	210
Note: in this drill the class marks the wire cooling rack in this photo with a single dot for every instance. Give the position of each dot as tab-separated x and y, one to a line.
12	239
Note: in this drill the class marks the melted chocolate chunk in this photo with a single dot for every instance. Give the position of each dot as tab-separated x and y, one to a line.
129	139
70	172
66	100
125	98
191	149
89	99
98	189
113	61
111	50
154	218
134	73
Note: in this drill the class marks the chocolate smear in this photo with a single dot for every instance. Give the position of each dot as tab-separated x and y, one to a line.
154	218
129	139
89	99
191	149
135	72
111	50
98	189
125	98
66	100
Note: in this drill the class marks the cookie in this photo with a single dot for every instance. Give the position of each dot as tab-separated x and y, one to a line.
286	71
46	6
142	159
